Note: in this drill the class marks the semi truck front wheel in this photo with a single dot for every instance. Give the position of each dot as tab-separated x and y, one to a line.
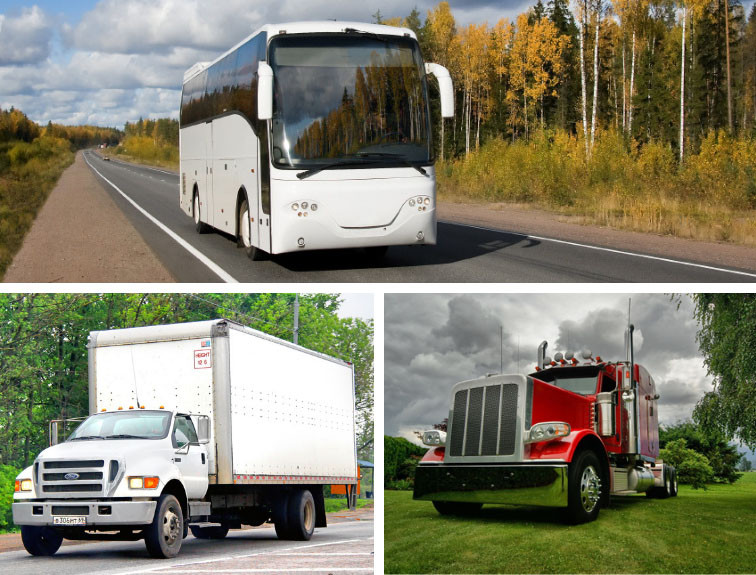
585	487
40	541
164	535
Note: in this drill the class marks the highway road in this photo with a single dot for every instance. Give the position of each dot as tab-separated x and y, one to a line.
465	253
343	548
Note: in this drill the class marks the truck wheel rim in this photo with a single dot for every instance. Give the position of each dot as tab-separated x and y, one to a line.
170	526
244	230
309	516
590	489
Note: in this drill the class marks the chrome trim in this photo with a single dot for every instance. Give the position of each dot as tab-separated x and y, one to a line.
539	485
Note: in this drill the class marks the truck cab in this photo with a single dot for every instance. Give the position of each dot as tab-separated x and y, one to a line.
111	474
569	434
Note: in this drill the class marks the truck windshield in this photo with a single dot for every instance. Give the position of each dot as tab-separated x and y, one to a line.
124	425
580	379
358	96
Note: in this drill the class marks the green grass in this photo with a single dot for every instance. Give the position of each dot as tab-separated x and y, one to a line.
339	504
699	531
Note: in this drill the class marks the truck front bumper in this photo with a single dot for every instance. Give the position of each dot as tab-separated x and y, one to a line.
543	485
121	512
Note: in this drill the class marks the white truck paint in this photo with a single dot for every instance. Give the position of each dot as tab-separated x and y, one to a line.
275	422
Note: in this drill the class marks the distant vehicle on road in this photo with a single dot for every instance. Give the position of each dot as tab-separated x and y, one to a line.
204	426
313	135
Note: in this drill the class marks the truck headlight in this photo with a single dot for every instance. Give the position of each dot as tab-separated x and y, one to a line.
434	438
23	485
548	431
143	482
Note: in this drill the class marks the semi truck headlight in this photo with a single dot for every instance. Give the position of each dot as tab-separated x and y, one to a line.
143	482
23	485
548	431
434	438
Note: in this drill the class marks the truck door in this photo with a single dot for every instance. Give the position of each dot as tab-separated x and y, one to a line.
190	457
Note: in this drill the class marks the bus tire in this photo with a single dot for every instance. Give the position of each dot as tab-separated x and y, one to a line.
164	535
199	225
245	240
40	541
585	488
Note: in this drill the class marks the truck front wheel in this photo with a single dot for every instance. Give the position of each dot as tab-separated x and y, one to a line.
585	488
457	508
40	541
164	535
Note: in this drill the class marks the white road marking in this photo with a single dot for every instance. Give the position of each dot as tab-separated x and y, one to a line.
243	556
286	570
603	249
215	268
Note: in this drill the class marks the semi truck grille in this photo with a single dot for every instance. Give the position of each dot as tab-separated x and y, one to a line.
85	477
484	421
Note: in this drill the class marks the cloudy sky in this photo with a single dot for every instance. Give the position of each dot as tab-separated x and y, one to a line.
433	341
112	61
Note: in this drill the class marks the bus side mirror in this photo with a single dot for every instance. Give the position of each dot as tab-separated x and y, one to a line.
203	429
264	91
445	88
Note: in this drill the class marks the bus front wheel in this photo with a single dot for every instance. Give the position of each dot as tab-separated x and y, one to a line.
245	233
199	225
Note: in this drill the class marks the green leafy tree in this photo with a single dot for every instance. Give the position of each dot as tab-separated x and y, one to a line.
723	456
8	475
399	460
691	466
727	339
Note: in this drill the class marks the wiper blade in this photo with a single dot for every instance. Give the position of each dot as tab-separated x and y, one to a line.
85	437
336	164
366	33
126	436
385	156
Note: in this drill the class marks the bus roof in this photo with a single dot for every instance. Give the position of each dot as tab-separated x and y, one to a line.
305	28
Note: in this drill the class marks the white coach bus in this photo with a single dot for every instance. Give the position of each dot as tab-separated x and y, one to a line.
313	135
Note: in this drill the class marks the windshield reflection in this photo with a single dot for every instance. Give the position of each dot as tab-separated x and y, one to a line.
355	97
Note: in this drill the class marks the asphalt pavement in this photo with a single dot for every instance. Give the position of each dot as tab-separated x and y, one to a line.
343	548
465	253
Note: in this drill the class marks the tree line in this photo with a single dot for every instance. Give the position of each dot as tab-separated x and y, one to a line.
664	70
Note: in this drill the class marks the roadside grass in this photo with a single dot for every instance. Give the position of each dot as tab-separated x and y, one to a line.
699	531
28	173
339	504
144	150
638	187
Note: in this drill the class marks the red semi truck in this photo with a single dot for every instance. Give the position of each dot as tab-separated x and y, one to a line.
568	435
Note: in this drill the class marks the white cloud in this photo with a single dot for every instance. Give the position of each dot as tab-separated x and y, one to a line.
25	38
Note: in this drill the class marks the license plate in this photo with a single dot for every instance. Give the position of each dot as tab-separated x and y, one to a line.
70	520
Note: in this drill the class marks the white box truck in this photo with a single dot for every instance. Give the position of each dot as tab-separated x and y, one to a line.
204	426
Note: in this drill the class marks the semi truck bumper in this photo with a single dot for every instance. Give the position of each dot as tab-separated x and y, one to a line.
499	484
96	513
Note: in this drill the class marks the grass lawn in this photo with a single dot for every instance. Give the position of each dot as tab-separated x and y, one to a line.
710	531
339	504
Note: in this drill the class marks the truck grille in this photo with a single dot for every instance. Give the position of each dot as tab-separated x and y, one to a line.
81	478
484	421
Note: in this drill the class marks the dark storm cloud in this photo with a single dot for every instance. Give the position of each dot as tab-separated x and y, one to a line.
433	341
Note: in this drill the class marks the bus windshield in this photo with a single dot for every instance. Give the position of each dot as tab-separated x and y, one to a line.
355	96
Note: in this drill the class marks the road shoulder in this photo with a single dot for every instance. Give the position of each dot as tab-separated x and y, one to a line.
80	235
534	222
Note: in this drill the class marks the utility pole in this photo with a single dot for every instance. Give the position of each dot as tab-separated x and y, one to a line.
296	318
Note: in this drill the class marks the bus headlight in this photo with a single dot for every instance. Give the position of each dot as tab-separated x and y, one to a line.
295	206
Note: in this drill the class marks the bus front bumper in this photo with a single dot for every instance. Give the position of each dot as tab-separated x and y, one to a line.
542	485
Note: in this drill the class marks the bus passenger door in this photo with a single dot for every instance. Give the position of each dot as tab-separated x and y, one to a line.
263	219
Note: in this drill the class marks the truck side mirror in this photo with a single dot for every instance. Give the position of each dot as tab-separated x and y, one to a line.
445	88
264	91
203	429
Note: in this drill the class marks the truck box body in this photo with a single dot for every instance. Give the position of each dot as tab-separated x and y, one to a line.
280	413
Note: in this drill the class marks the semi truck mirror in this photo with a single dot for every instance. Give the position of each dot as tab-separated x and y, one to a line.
264	91
203	429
